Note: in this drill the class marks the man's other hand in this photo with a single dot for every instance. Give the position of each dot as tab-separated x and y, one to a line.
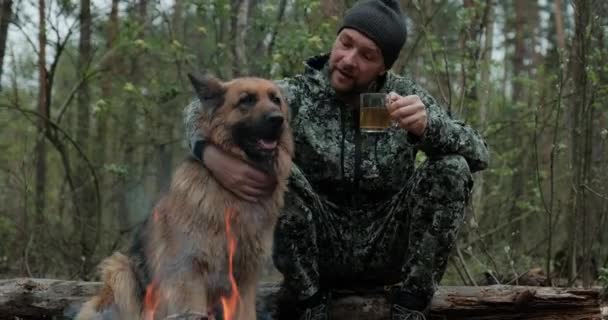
238	176
408	112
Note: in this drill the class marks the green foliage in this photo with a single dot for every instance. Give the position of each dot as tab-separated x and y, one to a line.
7	234
603	278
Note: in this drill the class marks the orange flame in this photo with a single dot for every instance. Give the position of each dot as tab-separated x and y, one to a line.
151	300
156	215
230	303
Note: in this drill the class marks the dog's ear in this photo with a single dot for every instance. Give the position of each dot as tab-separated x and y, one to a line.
209	90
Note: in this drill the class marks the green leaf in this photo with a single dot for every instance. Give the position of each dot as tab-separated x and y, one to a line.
129	87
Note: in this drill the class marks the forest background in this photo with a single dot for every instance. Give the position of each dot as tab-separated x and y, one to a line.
92	94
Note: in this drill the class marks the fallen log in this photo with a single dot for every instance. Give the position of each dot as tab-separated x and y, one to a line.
490	302
28	298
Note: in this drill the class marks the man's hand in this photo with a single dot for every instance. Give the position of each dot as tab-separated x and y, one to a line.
236	175
408	112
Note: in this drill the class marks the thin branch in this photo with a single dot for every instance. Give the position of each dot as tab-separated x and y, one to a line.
462	277
537	164
485	250
529	113
26	254
94	72
464	266
60	46
426	23
463	89
447	72
500	227
275	31
55	141
433	60
27	38
602	196
88	76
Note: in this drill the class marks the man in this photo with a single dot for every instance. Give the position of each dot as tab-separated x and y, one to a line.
358	213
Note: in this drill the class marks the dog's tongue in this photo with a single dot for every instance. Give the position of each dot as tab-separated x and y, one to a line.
267	145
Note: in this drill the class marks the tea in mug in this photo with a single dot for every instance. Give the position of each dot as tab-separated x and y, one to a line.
374	116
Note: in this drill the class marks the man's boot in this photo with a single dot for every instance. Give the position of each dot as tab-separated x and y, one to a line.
405	306
315	307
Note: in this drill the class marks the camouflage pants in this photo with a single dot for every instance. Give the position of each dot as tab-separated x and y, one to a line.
405	240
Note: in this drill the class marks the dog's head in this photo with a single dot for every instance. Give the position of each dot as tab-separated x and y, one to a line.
245	116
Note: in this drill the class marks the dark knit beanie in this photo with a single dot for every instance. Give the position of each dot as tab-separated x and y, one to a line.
383	22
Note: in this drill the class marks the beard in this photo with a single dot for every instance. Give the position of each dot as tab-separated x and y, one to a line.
346	84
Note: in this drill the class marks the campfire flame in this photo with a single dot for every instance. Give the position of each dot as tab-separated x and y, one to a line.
155	215
229	304
151	297
151	300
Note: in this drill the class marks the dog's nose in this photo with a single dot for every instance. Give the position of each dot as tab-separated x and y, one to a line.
274	119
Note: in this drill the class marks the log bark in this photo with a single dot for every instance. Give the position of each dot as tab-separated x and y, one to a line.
29	298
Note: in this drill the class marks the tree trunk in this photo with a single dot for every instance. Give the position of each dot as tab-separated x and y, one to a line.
36	298
485	96
600	157
560	35
329	9
580	115
332	8
163	148
582	109
239	34
85	211
43	125
129	134
266	47
100	147
5	18
471	33
518	95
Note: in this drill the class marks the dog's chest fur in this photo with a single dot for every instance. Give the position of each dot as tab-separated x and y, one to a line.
190	230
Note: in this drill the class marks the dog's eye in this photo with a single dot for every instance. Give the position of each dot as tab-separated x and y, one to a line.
275	98
248	99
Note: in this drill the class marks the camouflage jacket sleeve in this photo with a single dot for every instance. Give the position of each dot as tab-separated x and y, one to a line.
193	134
445	135
292	91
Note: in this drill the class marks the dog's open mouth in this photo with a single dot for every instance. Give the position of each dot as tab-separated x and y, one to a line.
260	147
263	147
260	139
267	144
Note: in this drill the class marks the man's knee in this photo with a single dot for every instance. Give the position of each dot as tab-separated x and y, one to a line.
449	173
294	220
451	165
294	229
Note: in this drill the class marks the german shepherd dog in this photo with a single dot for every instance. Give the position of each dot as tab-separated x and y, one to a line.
179	261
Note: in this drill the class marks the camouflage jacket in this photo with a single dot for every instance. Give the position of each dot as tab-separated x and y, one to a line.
345	166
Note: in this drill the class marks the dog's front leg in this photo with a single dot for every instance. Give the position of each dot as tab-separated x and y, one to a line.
184	293
247	306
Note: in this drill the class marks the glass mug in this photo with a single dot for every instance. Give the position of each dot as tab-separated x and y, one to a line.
373	113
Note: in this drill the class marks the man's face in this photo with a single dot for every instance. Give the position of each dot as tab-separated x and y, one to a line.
355	62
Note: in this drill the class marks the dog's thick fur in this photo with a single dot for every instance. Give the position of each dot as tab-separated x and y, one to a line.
180	255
